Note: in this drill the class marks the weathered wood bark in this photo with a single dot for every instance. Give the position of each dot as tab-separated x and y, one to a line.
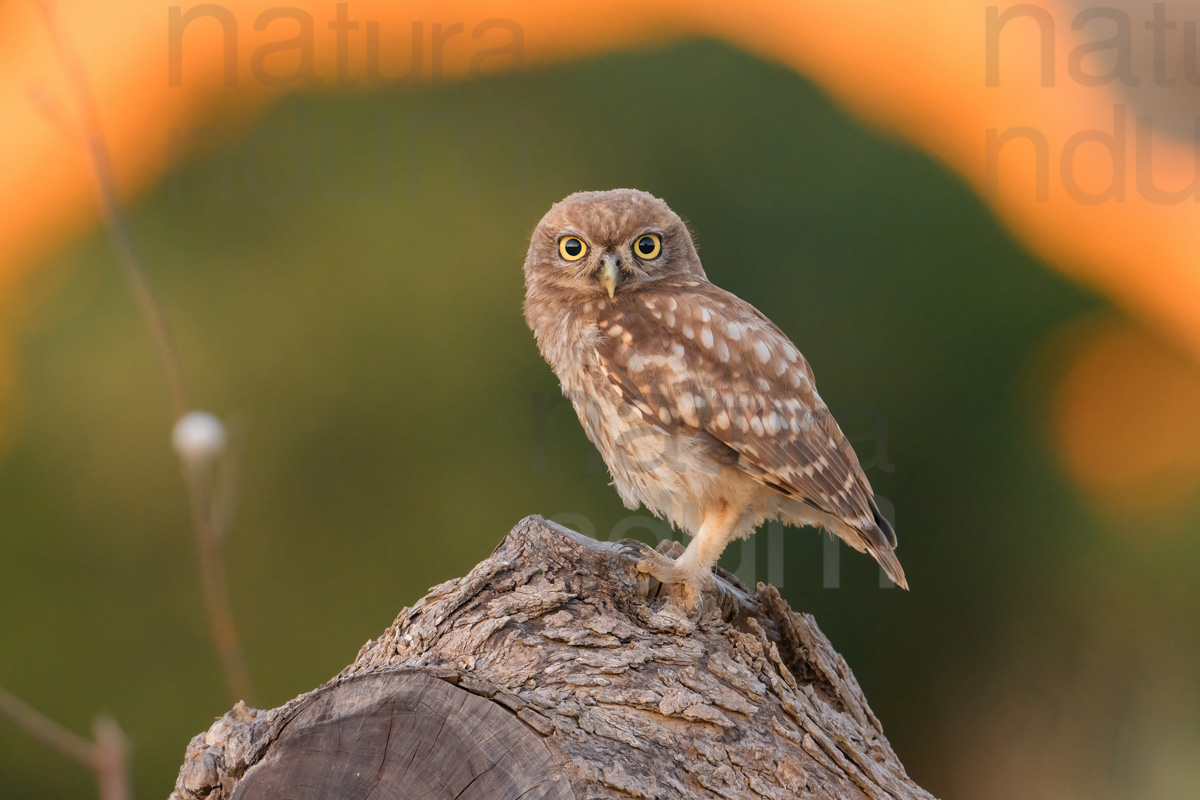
550	672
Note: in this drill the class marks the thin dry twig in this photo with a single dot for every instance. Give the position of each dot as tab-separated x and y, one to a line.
112	760
98	154
107	756
209	535
201	499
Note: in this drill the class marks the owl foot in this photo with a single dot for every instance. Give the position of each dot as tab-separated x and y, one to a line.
655	563
673	583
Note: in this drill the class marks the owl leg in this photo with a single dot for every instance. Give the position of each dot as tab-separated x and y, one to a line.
716	529
690	574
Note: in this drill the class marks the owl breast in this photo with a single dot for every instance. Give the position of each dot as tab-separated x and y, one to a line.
679	474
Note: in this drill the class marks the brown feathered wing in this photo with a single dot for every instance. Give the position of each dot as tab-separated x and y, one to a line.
691	354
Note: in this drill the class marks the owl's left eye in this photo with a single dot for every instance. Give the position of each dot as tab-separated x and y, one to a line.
648	246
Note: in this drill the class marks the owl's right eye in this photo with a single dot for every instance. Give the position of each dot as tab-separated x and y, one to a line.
571	248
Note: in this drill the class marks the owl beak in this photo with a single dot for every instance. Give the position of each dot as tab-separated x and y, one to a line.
610	273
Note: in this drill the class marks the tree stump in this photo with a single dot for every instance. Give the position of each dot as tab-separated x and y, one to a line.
552	671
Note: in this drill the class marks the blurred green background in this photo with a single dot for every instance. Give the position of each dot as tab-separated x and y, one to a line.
351	296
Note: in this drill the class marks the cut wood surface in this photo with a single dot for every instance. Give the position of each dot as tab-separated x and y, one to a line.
553	671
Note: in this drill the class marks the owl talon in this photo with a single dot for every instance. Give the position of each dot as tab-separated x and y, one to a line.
632	548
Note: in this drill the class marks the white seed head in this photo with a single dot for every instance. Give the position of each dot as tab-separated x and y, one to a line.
199	438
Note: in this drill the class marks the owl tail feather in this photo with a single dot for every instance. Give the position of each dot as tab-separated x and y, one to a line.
881	543
874	540
891	565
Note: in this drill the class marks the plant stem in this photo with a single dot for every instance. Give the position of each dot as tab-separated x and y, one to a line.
107	756
208	537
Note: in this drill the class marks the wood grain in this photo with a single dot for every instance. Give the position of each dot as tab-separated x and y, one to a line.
406	736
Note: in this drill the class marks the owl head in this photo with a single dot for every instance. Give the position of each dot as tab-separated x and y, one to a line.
607	244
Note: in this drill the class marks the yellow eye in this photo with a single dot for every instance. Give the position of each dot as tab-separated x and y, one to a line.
648	246
571	248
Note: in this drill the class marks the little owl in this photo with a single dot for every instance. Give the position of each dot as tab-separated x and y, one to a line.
702	408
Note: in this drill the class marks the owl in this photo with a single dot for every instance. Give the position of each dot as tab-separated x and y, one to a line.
703	409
